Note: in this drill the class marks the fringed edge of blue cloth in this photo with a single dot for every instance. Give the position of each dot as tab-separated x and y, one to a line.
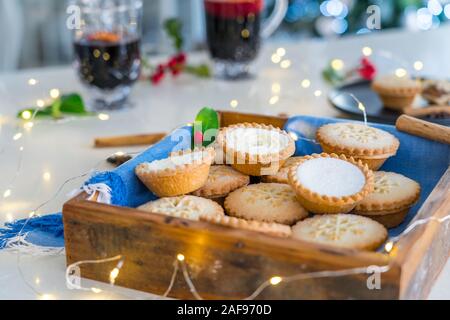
21	233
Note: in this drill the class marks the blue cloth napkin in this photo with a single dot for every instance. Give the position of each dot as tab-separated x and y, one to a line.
127	190
420	159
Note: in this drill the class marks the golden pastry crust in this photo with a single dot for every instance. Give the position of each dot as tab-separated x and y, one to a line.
393	195
323	204
391	220
342	231
283	175
265	202
273	229
396	87
185	207
179	179
221	181
256	164
397	93
358	131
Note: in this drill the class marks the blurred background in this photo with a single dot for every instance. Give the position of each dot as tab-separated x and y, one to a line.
34	33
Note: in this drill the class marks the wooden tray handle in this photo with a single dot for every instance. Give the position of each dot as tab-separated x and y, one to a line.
423	129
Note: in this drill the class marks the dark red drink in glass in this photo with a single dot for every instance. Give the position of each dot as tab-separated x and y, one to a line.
234	29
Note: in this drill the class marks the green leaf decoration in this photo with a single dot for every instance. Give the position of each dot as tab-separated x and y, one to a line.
71	104
173	28
332	76
201	71
205	127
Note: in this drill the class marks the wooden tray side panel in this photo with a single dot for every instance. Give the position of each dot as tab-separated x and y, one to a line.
424	252
223	263
230	118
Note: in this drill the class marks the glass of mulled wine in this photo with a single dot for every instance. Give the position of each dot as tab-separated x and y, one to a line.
234	33
107	50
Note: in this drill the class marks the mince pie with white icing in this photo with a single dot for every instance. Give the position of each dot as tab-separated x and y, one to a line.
327	184
256	149
181	173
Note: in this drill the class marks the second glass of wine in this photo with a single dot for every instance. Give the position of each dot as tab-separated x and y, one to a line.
107	51
234	32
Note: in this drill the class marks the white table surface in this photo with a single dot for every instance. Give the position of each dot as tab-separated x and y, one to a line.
64	149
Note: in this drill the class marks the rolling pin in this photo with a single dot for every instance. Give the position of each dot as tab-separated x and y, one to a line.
423	129
128	141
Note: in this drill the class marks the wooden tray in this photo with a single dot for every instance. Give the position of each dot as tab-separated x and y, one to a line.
230	264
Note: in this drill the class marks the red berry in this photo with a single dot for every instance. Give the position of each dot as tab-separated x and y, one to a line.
367	70
198	138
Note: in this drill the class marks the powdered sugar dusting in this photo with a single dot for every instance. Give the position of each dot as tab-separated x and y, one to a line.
174	162
257	141
331	177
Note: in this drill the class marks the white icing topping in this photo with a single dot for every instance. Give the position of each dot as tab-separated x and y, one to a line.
256	141
331	177
176	161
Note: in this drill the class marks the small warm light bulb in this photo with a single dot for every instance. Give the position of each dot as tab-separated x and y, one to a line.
318	93
276	58
276	88
26	115
286	64
401	73
113	275
306	83
46	296
17	136
7	193
32	82
418	65
274	100
180	257
103	117
96	290
234	104
40	103
54	93
337	64
47	176
367	51
37	280
389	246
281	52
28	125
276	281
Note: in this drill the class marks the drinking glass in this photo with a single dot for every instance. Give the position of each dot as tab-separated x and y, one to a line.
107	50
234	33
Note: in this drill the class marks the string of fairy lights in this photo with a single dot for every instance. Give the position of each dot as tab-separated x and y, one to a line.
279	57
